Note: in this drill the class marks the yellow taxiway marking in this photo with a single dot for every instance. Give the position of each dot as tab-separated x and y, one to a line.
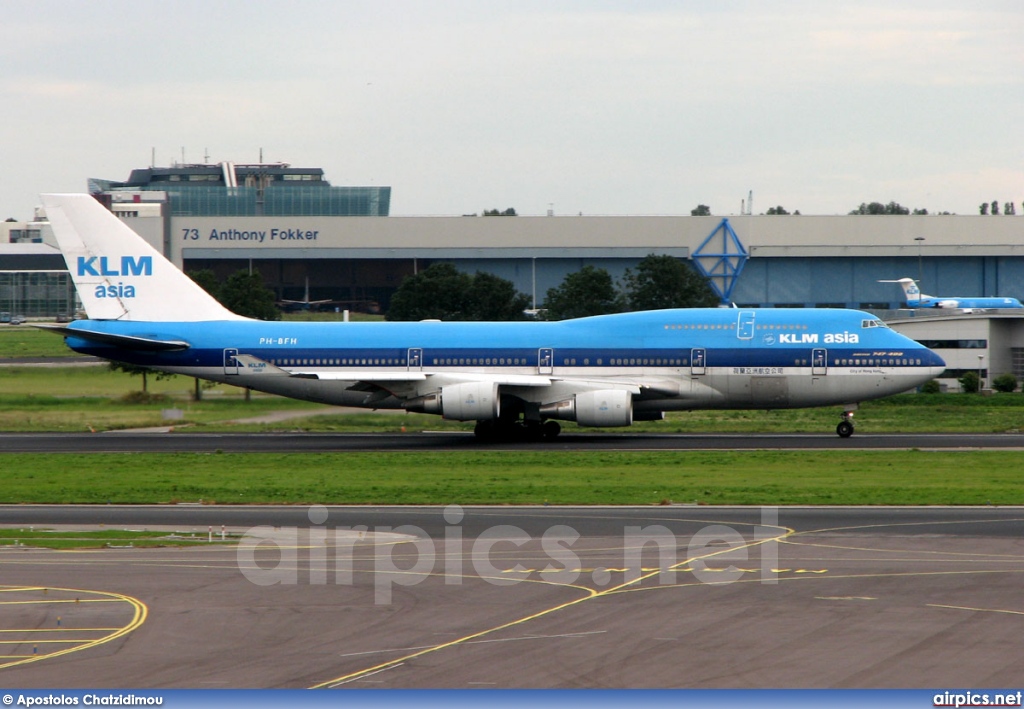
48	601
959	555
895	525
57	630
845	598
581	634
139	615
981	610
46	642
590	595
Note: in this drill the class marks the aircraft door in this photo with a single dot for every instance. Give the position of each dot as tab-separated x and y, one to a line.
745	325
415	359
230	363
698	361
819	361
545	360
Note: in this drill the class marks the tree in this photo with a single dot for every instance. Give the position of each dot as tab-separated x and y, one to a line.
1006	383
207	280
442	292
777	210
983	209
1009	209
702	210
491	298
667	282
510	212
879	208
970	382
995	208
920	212
134	370
244	294
589	291
435	293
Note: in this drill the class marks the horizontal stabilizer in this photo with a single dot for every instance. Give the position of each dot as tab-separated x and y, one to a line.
128	342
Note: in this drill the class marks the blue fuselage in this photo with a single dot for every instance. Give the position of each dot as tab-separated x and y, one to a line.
722	357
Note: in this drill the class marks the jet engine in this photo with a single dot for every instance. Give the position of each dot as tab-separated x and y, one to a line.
468	401
606	409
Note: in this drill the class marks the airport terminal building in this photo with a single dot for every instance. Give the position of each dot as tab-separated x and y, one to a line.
295	229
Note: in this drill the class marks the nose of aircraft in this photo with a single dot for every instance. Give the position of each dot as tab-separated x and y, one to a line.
932	360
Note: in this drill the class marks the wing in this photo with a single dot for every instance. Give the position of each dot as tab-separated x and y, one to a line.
256	366
408	385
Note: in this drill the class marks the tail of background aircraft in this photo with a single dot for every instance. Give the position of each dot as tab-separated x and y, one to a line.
910	289
118	275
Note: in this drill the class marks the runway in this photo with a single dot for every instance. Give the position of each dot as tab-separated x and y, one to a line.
670	596
136	442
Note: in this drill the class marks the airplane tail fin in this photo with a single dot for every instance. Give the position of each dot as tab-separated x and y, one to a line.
118	275
910	289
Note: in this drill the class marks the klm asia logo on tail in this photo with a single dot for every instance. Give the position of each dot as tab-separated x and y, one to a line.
105	266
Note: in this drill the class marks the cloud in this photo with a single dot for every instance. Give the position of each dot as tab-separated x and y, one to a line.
598	107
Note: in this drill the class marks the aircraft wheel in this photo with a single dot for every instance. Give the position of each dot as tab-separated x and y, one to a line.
550	430
485	430
844	429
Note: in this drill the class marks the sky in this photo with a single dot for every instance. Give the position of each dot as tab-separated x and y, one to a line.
579	107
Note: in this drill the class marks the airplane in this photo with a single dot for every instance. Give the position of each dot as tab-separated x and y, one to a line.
517	380
305	303
917	299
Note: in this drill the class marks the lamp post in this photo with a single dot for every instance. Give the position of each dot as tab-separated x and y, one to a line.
981	379
920	268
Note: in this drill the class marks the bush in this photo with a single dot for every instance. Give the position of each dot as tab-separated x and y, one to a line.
144	397
1005	382
969	382
931	387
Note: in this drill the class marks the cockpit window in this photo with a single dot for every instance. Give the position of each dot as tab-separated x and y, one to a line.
872	323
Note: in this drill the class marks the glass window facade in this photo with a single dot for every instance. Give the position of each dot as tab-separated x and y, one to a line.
37	293
316	201
282	199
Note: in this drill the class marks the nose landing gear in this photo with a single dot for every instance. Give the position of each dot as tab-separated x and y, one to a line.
845	427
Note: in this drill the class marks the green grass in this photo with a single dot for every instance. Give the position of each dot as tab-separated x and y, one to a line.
27	341
50	539
908	413
526	477
83	398
93	397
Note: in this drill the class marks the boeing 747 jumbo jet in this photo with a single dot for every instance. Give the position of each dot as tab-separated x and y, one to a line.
917	299
516	380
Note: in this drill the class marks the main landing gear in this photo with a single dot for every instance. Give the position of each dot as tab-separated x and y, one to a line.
845	427
496	430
